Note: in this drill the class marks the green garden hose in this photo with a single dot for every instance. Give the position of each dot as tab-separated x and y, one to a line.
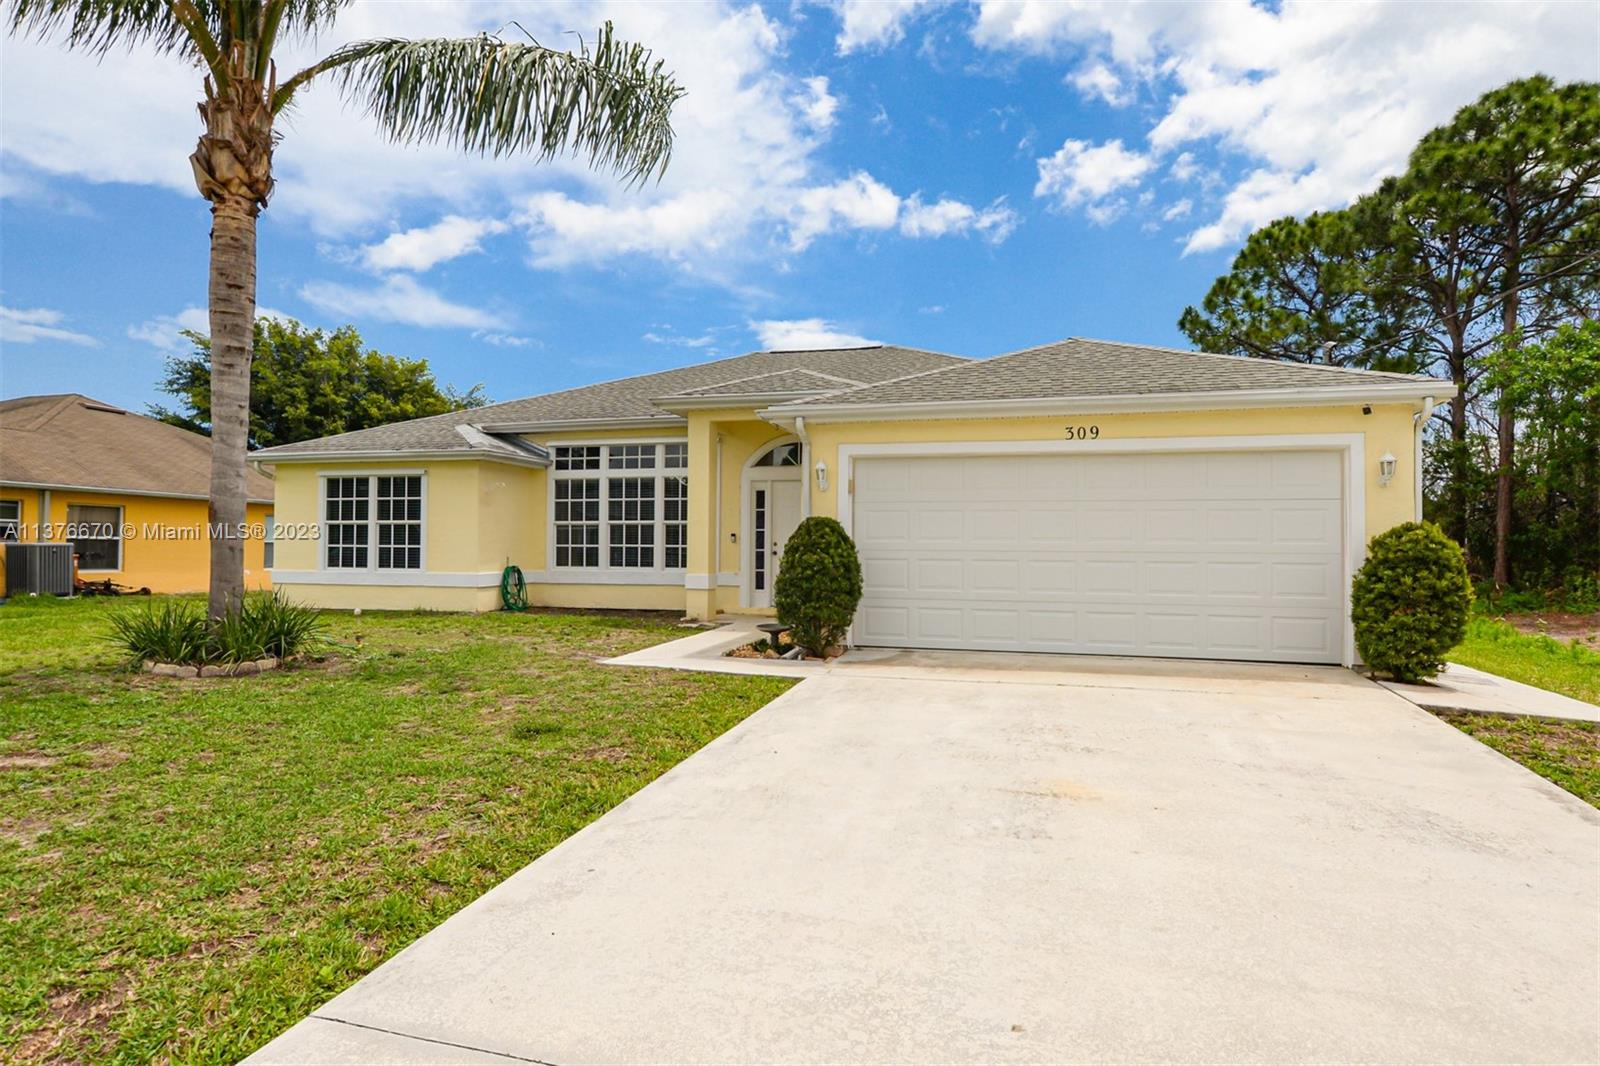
513	590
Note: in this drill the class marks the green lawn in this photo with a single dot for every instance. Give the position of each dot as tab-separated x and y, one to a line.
1567	668
188	867
1567	753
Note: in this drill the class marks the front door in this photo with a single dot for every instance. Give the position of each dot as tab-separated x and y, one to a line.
774	512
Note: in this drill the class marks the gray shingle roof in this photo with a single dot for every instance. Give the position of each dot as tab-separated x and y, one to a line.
1077	367
783	382
628	398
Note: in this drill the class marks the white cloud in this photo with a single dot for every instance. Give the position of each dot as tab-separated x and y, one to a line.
704	340
1318	101
858	202
1081	175
945	217
504	340
868	24
1098	81
398	298
800	334
165	332
30	325
817	105
1177	210
424	247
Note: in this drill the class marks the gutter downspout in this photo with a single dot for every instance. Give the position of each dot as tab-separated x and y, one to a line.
44	514
1417	421
805	465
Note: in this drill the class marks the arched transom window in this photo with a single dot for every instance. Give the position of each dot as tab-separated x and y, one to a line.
782	455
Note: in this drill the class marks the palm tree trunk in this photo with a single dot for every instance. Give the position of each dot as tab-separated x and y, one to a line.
233	316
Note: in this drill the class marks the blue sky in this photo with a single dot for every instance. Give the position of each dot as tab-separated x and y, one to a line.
970	178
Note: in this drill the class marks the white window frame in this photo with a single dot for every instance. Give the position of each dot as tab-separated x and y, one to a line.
269	542
117	525
15	521
605	573
372	567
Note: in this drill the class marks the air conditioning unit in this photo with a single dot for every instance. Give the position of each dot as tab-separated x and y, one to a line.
42	568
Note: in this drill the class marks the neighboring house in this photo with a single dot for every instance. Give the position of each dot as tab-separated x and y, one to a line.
1082	496
128	491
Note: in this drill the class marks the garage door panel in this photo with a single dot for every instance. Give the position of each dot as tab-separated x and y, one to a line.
1231	555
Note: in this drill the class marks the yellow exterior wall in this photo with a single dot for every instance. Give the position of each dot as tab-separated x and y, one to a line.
482	514
164	544
1388	429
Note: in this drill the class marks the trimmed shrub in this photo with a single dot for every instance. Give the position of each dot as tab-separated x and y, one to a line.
177	631
1410	601
819	585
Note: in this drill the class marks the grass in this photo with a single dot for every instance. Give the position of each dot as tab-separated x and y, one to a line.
1567	668
187	867
1567	753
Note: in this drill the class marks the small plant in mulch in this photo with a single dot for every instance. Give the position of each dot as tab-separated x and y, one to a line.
175	637
760	649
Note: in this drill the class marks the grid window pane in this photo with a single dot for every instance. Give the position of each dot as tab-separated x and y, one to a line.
577	521
345	511
675	456
96	536
674	522
631	518
632	457
10	519
571	457
399	509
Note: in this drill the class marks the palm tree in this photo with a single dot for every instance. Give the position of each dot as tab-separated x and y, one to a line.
611	102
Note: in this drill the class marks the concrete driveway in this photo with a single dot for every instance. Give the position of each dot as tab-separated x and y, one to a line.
938	858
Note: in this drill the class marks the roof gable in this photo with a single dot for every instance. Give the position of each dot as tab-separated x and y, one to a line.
76	441
1078	368
626	399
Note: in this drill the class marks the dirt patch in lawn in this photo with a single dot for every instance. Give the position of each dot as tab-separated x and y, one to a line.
1562	625
27	761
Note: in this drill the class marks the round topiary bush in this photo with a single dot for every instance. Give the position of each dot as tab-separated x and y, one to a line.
1410	601
819	585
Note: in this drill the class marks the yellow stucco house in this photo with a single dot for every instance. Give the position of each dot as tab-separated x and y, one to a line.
129	492
1082	496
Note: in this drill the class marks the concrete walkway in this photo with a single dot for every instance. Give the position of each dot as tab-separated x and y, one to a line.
1461	688
997	865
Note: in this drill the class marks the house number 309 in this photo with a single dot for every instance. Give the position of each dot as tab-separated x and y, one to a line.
1083	432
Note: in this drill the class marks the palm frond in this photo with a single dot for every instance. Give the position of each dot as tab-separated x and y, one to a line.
101	25
612	103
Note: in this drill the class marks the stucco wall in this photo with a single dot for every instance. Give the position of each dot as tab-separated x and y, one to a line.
164	544
1388	429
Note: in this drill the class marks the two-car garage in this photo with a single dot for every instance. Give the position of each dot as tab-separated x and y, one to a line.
1226	554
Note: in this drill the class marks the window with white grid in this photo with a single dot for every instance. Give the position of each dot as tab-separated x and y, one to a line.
633	519
675	522
631	522
399	511
347	522
577	521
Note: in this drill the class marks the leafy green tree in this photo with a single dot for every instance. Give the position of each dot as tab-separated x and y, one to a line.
305	383
1524	162
611	103
1553	390
1303	290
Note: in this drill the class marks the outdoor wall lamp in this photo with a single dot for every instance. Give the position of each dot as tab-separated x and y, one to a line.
822	476
1386	467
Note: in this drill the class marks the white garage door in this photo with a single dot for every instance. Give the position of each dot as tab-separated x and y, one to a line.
1218	555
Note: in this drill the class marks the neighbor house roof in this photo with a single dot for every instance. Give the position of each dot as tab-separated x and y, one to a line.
1098	372
73	441
628	400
